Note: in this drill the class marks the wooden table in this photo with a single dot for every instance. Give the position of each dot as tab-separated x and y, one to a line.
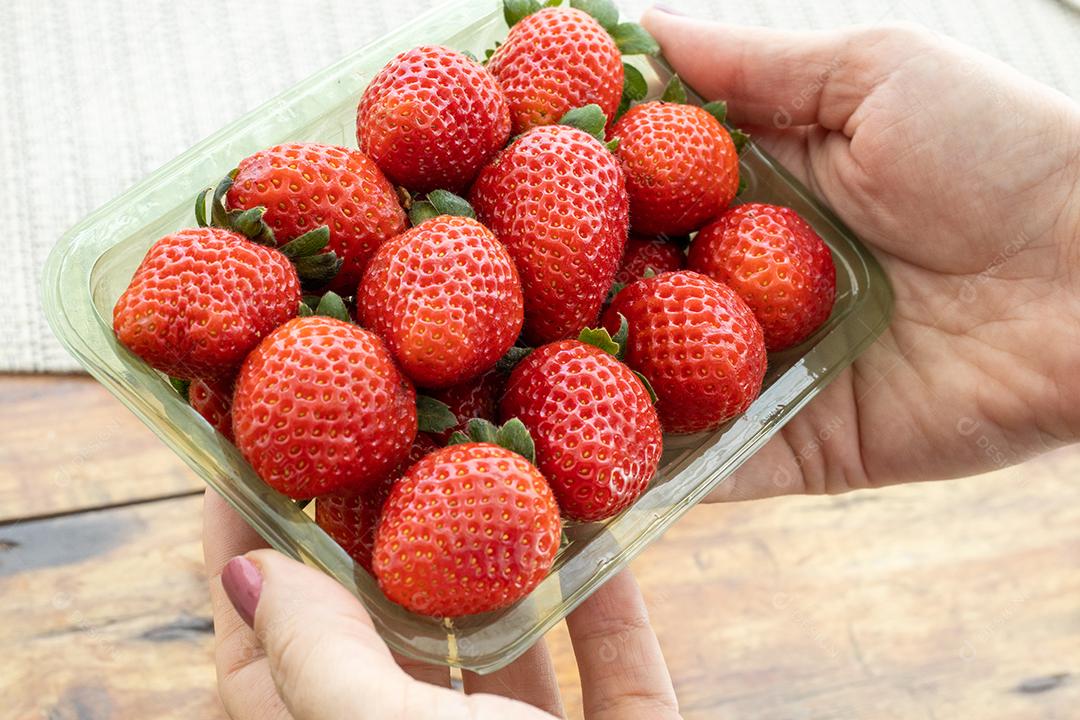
949	600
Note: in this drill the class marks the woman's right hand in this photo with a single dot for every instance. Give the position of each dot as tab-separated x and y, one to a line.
964	179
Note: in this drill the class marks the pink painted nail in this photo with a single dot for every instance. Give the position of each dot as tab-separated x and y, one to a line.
665	8
243	584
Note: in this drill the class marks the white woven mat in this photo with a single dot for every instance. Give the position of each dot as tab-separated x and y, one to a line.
95	95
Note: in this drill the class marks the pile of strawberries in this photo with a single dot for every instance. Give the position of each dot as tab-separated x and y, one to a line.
507	244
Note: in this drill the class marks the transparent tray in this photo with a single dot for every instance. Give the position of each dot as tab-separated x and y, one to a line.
92	264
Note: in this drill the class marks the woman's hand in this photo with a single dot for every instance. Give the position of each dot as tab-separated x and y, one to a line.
964	179
292	643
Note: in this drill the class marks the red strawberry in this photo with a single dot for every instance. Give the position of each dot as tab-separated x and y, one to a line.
431	118
556	198
644	253
553	61
213	400
776	262
320	407
597	435
681	165
202	299
468	529
421	447
351	519
696	342
477	398
304	186
446	299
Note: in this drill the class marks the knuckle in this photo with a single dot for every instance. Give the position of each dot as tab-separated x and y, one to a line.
901	36
636	703
616	627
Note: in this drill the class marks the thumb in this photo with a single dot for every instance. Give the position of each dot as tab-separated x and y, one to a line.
769	77
324	653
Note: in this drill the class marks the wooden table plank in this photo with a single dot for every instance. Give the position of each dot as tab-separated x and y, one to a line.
112	619
69	445
951	600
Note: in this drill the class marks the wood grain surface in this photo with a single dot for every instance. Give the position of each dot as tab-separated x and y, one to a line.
948	600
68	445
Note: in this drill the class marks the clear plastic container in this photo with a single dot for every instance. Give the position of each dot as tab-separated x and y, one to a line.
92	264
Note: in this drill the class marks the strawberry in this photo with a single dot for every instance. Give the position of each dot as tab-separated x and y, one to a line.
202	299
556	198
696	342
351	519
682	168
477	398
431	118
776	262
553	61
320	407
597	435
304	186
421	447
468	529
213	400
445	298
643	254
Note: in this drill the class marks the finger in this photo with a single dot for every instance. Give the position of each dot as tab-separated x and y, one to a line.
769	77
530	679
789	147
225	534
770	472
817	452
244	683
622	670
424	672
326	659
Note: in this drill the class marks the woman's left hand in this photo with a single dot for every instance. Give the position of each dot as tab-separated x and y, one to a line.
292	643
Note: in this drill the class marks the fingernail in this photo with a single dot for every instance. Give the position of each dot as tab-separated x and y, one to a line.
668	9
243	584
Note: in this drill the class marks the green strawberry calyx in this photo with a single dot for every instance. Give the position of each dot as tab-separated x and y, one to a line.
615	345
433	416
514	11
436	203
601	338
616	288
592	120
512	435
314	266
740	139
634	90
674	91
181	386
629	37
632	39
645	384
330	305
491	51
513	356
718	109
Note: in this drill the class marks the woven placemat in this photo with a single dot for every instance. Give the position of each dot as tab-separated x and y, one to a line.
95	95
